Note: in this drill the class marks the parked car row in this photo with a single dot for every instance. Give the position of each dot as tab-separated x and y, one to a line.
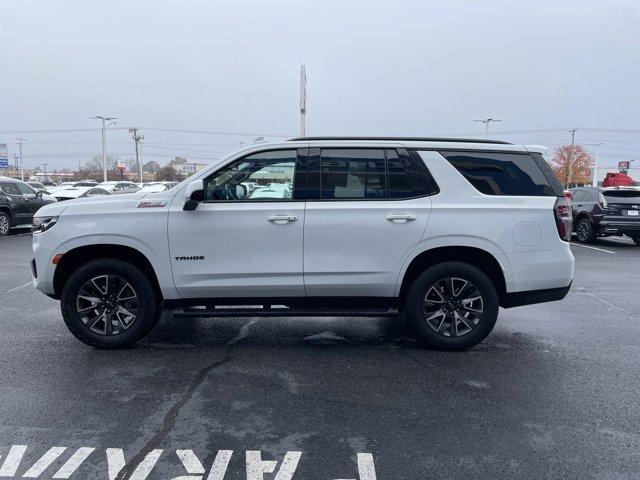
19	201
605	212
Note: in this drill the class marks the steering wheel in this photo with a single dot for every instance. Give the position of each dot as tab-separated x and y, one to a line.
229	191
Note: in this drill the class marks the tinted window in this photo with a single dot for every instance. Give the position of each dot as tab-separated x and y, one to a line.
501	173
578	196
265	176
404	179
591	196
622	196
10	188
549	174
352	174
25	189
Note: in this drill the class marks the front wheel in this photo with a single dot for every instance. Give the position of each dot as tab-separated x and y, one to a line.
108	303
452	305
636	239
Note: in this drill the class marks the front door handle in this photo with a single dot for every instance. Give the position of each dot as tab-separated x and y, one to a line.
401	217
282	219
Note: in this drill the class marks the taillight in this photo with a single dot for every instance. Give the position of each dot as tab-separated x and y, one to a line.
564	218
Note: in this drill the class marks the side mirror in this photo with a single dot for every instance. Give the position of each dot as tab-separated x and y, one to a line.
39	194
194	195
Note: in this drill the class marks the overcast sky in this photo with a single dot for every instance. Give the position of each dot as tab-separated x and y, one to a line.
403	67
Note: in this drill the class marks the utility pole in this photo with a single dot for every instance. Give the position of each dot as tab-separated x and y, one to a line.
570	159
136	139
21	141
104	141
486	122
303	100
45	171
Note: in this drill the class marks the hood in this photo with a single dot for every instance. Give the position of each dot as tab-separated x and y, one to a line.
71	192
104	203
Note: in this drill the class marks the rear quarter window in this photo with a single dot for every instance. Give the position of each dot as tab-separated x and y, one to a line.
503	173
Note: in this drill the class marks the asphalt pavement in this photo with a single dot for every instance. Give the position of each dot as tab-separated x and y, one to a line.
553	393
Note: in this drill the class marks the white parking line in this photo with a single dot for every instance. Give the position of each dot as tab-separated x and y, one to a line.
592	248
18	287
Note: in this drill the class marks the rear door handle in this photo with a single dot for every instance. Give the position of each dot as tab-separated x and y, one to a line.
282	219
401	217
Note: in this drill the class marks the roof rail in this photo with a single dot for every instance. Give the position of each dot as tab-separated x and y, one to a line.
406	139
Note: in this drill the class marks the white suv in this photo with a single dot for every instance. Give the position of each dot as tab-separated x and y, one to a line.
443	231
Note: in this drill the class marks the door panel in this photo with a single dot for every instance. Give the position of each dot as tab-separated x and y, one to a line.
358	247
21	210
249	249
245	239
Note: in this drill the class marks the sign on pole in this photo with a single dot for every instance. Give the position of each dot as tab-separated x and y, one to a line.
189	168
4	160
624	165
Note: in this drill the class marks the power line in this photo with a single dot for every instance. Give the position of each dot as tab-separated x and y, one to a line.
205	132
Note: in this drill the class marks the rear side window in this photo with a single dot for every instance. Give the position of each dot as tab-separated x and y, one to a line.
501	173
352	174
404	178
10	188
366	174
578	195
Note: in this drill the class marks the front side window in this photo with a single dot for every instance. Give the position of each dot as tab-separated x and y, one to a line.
264	176
25	189
502	173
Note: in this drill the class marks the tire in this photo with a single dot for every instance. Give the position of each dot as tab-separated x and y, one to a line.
584	231
5	224
113	288
636	239
461	323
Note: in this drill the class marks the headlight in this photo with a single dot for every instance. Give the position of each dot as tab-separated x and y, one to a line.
42	224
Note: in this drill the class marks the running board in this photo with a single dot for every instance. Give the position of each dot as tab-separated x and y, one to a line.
280	311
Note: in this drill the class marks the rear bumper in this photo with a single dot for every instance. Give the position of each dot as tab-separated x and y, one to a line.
609	227
518	299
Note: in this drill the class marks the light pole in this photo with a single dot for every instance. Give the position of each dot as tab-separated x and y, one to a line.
570	159
486	122
303	100
21	141
594	180
104	141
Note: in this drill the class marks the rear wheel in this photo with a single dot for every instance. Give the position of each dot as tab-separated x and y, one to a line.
452	305
109	303
585	231
636	239
5	224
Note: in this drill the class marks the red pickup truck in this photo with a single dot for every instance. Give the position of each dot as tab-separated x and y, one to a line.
618	180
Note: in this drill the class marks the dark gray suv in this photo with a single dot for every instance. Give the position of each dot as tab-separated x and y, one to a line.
18	203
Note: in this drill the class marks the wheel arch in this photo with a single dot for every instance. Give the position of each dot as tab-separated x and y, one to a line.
475	256
6	209
78	256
